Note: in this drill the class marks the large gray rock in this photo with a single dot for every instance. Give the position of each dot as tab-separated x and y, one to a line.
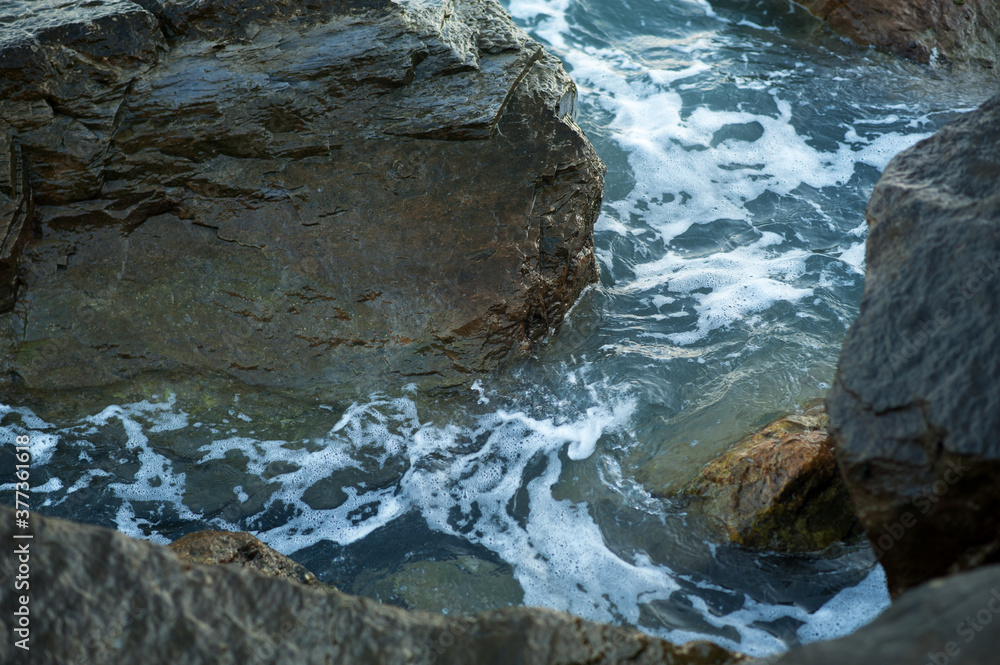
97	596
951	621
293	194
915	408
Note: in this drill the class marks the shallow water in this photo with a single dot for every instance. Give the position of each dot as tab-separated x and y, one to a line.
742	140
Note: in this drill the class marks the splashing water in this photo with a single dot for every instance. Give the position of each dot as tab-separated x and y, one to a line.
742	143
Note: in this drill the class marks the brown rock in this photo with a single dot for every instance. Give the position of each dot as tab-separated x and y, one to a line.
239	549
778	489
320	197
953	31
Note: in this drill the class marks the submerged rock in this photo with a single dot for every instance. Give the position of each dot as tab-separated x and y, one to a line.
294	195
915	408
965	32
778	489
450	585
99	596
953	621
239	549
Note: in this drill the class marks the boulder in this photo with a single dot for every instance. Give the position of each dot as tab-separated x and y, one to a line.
941	32
297	195
950	621
915	407
241	549
778	489
98	596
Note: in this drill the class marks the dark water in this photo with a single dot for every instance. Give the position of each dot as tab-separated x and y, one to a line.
742	140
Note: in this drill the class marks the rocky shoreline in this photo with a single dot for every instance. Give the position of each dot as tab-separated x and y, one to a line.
453	147
100	597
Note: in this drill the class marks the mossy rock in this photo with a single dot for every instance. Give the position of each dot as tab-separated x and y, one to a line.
778	489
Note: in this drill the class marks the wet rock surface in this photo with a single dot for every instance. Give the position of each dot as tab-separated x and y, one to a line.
778	489
940	32
99	596
239	549
951	621
16	217
915	408
295	196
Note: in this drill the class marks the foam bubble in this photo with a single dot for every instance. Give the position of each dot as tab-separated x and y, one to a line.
462	480
677	151
848	610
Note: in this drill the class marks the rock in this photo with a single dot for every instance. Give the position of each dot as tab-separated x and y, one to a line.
951	621
915	408
239	549
452	585
99	596
17	207
297	196
964	32
778	489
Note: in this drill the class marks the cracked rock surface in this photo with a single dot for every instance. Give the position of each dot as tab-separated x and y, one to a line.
293	194
915	408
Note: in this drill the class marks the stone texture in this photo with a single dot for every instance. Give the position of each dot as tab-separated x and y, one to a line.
951	621
239	549
99	596
964	32
17	207
295	195
778	489
915	408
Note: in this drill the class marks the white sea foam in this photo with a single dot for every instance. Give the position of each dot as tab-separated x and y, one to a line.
692	164
557	550
673	151
854	606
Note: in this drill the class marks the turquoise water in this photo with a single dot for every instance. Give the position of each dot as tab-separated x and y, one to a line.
742	140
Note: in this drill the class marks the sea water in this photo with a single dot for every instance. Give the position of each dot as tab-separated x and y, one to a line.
742	140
